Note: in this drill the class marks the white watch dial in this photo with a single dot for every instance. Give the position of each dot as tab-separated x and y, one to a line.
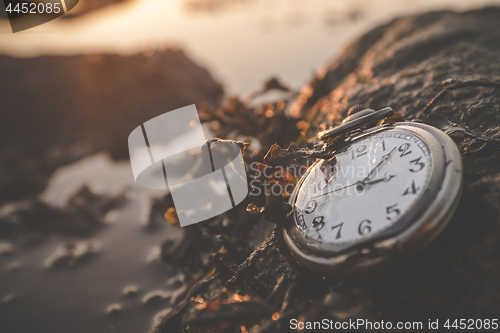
367	188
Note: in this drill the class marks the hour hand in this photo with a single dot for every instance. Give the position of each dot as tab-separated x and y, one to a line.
384	159
375	181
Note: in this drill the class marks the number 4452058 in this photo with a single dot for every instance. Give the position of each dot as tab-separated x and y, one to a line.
33	8
472	324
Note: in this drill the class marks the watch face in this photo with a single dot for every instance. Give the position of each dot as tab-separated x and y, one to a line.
368	187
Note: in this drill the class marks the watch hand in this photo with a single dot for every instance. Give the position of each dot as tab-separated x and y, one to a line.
338	189
384	159
375	181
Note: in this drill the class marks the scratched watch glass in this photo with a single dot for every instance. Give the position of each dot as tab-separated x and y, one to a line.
368	187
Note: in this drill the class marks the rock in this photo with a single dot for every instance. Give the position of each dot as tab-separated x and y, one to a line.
114	308
154	254
26	221
155	216
176	282
401	64
88	209
154	297
175	295
29	221
273	92
160	315
130	290
70	253
62	108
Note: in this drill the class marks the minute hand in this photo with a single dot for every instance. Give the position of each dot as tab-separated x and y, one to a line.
375	181
384	159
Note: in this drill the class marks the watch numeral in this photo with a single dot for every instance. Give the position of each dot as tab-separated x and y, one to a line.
318	223
392	212
383	145
340	229
417	163
403	149
311	206
361	150
364	227
413	189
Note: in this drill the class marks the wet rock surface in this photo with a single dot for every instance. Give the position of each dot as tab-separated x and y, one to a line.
404	64
71	253
30	221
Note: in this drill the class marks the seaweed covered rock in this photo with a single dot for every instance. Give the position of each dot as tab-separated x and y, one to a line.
441	62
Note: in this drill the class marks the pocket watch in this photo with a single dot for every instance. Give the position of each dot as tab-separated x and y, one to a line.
388	191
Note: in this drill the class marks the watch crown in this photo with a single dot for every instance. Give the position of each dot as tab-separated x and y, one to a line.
366	117
357	115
